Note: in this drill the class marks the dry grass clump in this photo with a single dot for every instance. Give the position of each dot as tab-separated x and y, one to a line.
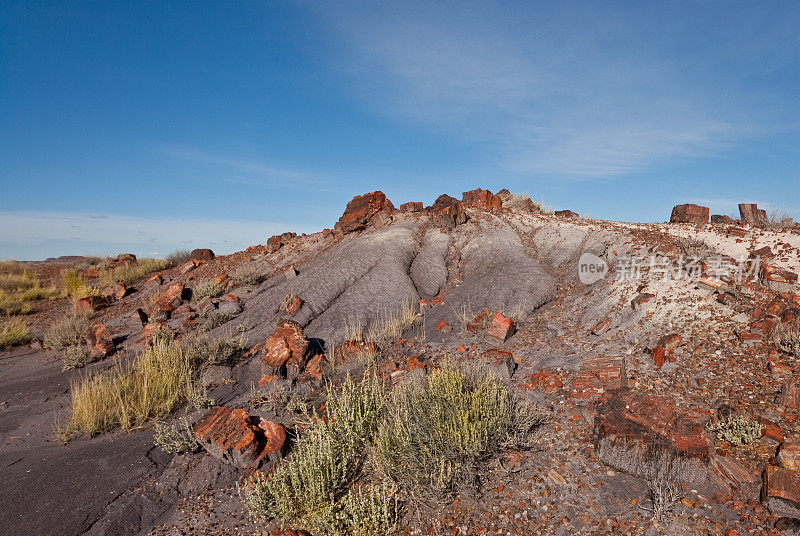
74	356
15	332
439	428
66	332
314	488
202	349
248	275
388	327
19	287
151	386
179	256
206	289
130	273
777	220
693	248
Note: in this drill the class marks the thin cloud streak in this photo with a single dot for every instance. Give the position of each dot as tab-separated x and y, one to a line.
555	94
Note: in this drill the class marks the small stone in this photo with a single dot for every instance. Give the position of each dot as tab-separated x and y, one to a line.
502	327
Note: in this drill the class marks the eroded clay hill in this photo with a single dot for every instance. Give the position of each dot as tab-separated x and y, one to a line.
638	372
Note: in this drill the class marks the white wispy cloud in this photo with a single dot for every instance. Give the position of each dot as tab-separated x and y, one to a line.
545	90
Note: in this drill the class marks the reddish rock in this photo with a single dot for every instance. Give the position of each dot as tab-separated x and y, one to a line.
566	214
240	439
482	199
694	214
203	255
501	362
790	395
171	298
287	342
85	306
363	210
315	367
502	327
643	434
789	455
733	478
764	253
443	327
353	351
100	341
781	491
598	375
290	271
547	382
773	273
722	219
413	206
221	280
157	279
641	299
291	303
751	215
149	331
665	349
447	211
601	327
771	430
189	266
119	290
274	243
124	259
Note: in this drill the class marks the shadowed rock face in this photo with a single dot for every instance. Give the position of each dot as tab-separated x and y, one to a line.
362	210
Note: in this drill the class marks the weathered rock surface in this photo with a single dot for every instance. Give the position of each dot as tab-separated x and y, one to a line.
689	213
235	437
363	210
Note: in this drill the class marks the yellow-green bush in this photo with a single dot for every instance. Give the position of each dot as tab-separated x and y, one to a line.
313	488
438	427
14	332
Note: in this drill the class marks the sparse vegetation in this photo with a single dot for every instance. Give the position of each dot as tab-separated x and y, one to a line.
693	248
737	430
388	327
206	289
438	428
777	220
76	286
75	356
130	273
663	493
524	202
313	488
176	439
19	287
179	256
248	275
14	332
66	332
203	349
151	386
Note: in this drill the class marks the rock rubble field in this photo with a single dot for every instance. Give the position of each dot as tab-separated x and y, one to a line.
666	390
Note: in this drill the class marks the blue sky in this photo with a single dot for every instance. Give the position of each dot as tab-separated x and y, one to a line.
153	126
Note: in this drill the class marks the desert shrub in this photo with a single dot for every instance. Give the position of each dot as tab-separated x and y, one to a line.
74	356
179	256
15	332
202	349
207	289
737	430
313	488
788	340
130	273
439	427
151	386
176	439
248	275
66	332
76	286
